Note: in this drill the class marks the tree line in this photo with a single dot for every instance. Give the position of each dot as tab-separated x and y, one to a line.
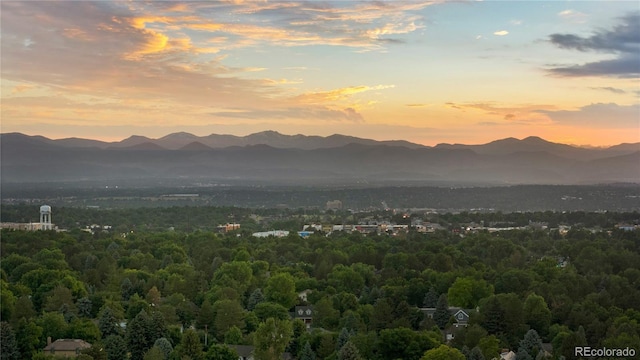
189	295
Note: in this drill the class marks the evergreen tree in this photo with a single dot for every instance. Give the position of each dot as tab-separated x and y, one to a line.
442	315
349	352
108	323
115	347
255	298
532	344
8	345
157	327
206	317
84	307
307	353
190	345
164	345
154	353
430	298
137	336
475	354
522	354
343	338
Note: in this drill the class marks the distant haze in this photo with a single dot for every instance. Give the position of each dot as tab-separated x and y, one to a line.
272	158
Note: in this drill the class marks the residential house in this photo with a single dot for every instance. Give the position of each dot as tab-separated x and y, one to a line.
460	315
246	352
65	347
304	313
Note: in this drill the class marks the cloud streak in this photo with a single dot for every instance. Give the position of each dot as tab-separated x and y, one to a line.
623	41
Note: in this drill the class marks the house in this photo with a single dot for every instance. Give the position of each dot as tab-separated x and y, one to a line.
462	318
65	347
510	355
245	352
460	315
304	313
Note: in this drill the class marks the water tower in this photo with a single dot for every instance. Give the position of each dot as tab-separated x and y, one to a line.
45	217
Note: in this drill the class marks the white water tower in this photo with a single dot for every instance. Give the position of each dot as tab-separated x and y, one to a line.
45	217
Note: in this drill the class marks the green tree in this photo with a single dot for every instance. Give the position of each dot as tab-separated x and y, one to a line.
537	314
206	317
442	316
430	298
108	323
307	353
8	345
164	345
28	336
271	338
154	353
443	352
137	336
115	347
233	336
53	325
343	338
281	289
349	352
490	346
229	313
190	345
220	352
255	298
268	309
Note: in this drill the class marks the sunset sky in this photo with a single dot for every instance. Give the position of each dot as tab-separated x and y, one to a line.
427	72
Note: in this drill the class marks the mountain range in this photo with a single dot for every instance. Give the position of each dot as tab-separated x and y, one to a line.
274	158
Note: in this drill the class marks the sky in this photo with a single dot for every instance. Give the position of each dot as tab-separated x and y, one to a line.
424	71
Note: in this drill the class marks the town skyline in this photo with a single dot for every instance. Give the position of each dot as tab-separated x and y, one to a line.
425	72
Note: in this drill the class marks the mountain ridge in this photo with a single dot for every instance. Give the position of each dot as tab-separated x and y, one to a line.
268	158
178	140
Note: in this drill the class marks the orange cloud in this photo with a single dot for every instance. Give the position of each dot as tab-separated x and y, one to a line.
338	94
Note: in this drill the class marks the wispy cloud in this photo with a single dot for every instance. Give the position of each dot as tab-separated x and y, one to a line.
501	33
338	94
609	89
573	16
599	115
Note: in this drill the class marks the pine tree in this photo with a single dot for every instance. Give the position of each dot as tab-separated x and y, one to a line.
255	298
108	324
343	338
442	315
349	352
137	336
307	353
164	345
8	345
84	307
430	298
116	347
190	345
157	326
475	354
531	343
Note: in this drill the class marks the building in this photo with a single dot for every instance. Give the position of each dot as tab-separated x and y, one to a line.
304	313
44	224
228	227
334	205
65	347
45	217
